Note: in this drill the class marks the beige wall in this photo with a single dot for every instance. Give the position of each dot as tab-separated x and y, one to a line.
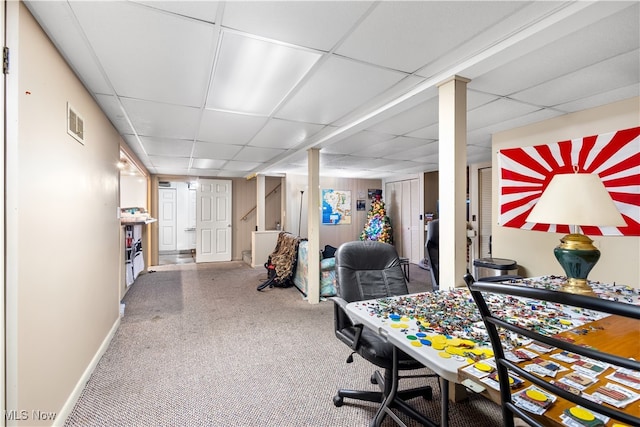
534	250
63	244
133	191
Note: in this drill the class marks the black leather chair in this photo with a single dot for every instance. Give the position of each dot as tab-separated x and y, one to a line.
367	270
432	252
492	320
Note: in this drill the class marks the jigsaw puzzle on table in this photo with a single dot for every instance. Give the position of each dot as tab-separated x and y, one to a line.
449	322
453	313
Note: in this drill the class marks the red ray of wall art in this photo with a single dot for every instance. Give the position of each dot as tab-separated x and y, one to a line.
525	173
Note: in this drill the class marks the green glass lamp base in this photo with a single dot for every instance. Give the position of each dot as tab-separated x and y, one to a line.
577	256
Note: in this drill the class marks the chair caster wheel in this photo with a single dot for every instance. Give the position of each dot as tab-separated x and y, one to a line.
373	379
338	400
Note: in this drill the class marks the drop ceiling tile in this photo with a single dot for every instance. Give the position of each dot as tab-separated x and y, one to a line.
408	35
284	134
355	162
257	154
299	158
126	38
325	137
215	150
167	147
427	149
495	112
317	25
201	10
63	29
395	145
235	166
427	132
480	157
359	142
293	169
229	128
208	163
170	162
479	138
174	171
523	120
620	71
411	120
603	98
474	150
326	159
590	44
431	159
399	167
111	107
134	143
476	99
207	172
162	120
388	97
253	75
338	86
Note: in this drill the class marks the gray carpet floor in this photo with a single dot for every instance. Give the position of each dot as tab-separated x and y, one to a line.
199	346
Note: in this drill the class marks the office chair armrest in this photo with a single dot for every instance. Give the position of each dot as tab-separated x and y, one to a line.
340	312
340	302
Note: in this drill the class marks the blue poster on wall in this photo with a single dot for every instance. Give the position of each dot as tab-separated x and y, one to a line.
336	207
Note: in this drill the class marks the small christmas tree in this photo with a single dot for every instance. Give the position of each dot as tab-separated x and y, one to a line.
378	226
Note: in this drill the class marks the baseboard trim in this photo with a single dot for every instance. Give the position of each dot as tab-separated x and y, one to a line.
66	409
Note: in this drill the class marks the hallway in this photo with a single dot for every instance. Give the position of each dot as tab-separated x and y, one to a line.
176	257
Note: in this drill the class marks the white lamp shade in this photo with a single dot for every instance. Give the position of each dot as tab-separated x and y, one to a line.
576	199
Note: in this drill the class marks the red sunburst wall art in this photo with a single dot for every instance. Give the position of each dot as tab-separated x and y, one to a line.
525	173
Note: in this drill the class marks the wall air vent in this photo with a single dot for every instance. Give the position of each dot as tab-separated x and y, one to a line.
75	124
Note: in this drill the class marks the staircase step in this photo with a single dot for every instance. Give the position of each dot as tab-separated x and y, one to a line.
246	257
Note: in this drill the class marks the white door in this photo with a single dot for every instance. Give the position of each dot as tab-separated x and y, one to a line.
213	220
167	221
416	222
410	219
405	215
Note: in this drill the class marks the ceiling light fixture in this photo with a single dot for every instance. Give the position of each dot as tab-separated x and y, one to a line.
253	75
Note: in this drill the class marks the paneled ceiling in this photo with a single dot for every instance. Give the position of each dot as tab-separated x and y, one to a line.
229	89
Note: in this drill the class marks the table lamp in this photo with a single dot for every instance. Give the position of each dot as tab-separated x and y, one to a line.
576	199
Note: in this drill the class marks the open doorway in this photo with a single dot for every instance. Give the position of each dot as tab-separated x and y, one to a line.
176	222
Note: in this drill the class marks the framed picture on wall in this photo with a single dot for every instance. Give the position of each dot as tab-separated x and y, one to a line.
361	205
336	207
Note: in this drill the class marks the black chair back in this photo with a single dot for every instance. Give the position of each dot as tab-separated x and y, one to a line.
368	269
494	320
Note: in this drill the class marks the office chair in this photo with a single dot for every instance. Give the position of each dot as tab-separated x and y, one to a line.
367	270
432	252
480	291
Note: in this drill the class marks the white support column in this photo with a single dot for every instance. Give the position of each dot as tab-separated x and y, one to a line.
452	172
260	202
313	225
283	203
